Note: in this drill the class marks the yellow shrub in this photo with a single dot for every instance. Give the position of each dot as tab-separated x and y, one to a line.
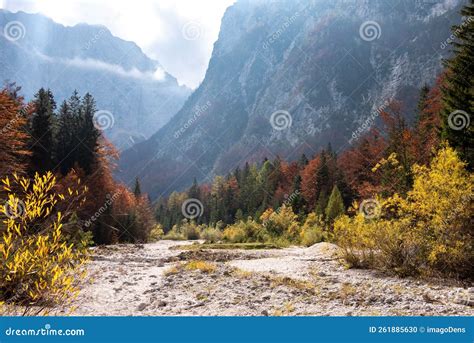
429	231
156	233
312	230
245	231
38	266
283	222
234	234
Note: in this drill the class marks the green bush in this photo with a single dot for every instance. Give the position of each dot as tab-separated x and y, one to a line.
156	233
174	234
246	231
312	230
211	235
187	230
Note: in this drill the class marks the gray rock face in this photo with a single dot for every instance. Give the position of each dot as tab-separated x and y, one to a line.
316	70
37	52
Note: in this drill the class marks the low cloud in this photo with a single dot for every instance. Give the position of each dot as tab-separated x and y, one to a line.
92	64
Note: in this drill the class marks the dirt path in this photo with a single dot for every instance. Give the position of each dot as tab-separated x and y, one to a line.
153	279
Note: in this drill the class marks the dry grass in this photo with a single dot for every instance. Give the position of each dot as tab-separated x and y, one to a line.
347	291
172	271
203	266
293	283
286	310
242	274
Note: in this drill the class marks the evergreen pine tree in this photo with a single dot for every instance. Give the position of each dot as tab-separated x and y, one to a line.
323	182
193	191
137	191
297	200
303	161
335	205
88	135
422	102
64	147
42	124
458	93
321	203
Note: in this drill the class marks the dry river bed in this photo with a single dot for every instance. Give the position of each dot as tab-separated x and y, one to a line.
154	280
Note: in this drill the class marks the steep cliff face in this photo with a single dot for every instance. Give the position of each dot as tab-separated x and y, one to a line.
288	77
37	52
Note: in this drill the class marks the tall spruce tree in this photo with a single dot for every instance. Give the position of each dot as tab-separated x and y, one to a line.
42	135
64	147
87	134
458	92
193	191
137	190
335	205
297	201
323	182
422	101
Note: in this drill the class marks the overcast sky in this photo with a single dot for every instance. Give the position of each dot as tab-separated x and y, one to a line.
178	33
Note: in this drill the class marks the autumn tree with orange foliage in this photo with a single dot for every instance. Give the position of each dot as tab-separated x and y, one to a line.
14	137
308	182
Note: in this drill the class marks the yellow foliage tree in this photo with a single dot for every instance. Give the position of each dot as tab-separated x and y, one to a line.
429	231
38	266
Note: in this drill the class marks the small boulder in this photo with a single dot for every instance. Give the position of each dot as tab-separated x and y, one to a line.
141	307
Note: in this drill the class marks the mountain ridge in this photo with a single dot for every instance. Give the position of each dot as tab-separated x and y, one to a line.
136	89
305	58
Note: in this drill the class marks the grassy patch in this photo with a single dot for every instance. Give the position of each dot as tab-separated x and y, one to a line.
203	266
293	283
242	274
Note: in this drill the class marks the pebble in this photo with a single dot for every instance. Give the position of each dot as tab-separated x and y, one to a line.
162	303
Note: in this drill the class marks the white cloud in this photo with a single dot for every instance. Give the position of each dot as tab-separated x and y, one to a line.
155	25
92	64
